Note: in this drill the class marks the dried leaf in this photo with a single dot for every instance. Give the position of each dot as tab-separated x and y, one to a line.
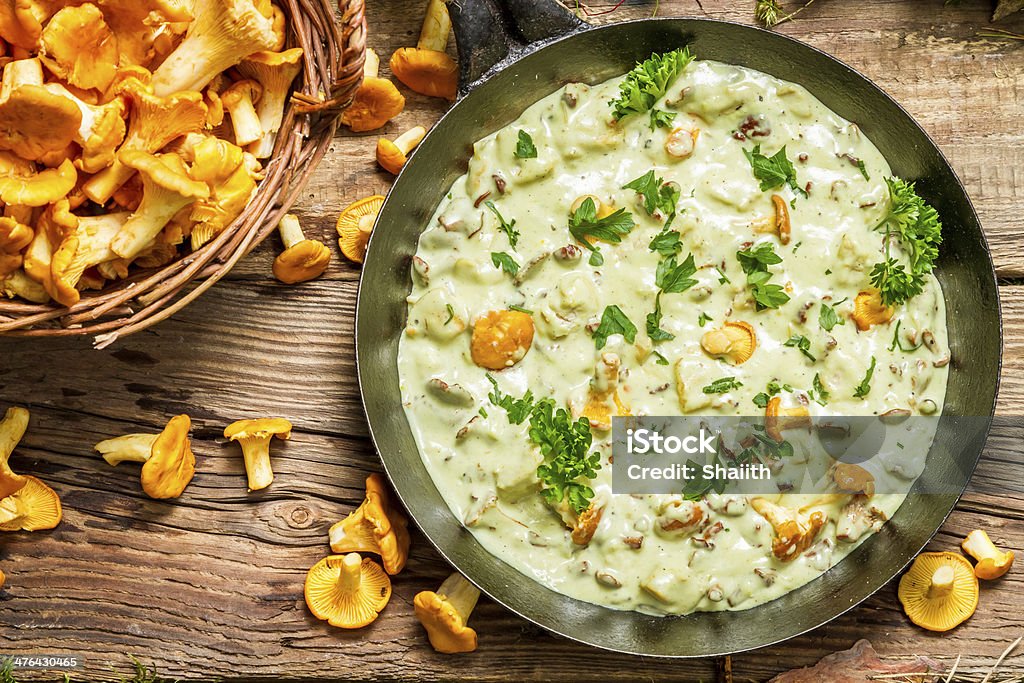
858	665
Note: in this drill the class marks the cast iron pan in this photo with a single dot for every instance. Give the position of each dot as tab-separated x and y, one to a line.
514	52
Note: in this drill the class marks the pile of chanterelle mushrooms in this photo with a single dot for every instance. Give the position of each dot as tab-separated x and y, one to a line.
130	130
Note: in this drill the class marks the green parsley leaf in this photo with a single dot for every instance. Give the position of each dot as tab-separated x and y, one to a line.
513	307
761	400
584	223
518	409
666	243
502	260
508	228
661	359
662	119
596	259
769	296
897	343
525	149
654	330
482	412
828	318
864	388
774	171
673	277
648	81
658	195
720	386
802	343
776	388
758	258
819	393
568	462
915	225
614	321
722	277
703	318
863	169
451	313
755	261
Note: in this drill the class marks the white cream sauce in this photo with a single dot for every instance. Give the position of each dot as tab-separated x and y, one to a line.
485	468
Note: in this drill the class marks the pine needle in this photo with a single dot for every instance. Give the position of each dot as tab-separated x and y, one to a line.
767	11
1003	656
1000	33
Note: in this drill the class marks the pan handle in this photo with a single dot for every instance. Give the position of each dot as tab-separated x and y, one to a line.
489	32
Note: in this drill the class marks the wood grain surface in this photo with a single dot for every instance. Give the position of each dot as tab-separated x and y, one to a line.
210	585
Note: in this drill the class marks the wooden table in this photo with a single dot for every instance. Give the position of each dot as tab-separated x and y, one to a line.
211	584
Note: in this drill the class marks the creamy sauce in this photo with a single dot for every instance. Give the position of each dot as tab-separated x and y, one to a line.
485	467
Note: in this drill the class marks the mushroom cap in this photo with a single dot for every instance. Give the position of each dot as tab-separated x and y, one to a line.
35	122
355	224
735	340
445	628
165	170
427	72
376	526
390	158
12	428
376	102
330	600
992	562
943	607
39	189
38	507
303	261
869	310
259	428
239	90
14	235
171	464
79	47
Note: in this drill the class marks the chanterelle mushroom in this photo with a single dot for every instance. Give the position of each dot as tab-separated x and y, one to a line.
101	132
12	428
301	259
254	437
795	531
992	562
34	507
221	165
426	68
376	526
392	155
168	462
444	614
39	189
240	100
939	591
85	245
79	47
355	224
222	34
347	591
376	102
275	71
34	122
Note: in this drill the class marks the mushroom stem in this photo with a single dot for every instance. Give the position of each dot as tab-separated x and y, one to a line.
461	594
256	453
410	138
371	67
291	230
351	573
20	72
129	448
942	582
240	100
436	27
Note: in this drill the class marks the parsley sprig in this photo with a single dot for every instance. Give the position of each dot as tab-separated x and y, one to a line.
584	225
509	228
658	195
915	225
720	386
614	321
755	261
864	388
801	343
654	330
525	149
828	318
503	260
774	171
648	81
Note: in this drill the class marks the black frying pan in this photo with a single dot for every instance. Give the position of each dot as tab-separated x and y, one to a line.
514	52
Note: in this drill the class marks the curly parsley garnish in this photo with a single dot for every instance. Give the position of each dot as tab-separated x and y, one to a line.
525	149
720	386
648	81
506	227
916	227
774	171
565	444
614	321
864	388
502	260
584	224
661	118
755	261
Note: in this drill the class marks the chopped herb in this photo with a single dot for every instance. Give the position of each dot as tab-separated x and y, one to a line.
518	409
697	487
761	400
758	258
797	246
703	318
864	388
673	277
661	359
828	318
596	259
513	307
666	243
900	445
828	271
819	393
769	296
451	313
658	195
915	225
662	119
755	261
584	223
802	343
776	388
774	171
525	149
863	169
508	228
897	343
722	277
654	330
648	81
614	321
502	260
483	413
720	386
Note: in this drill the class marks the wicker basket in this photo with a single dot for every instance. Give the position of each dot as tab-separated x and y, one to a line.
335	52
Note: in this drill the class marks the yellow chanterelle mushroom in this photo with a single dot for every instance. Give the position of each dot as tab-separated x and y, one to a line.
392	155
347	591
426	68
444	614
992	562
168	461
355	224
939	591
302	259
254	436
